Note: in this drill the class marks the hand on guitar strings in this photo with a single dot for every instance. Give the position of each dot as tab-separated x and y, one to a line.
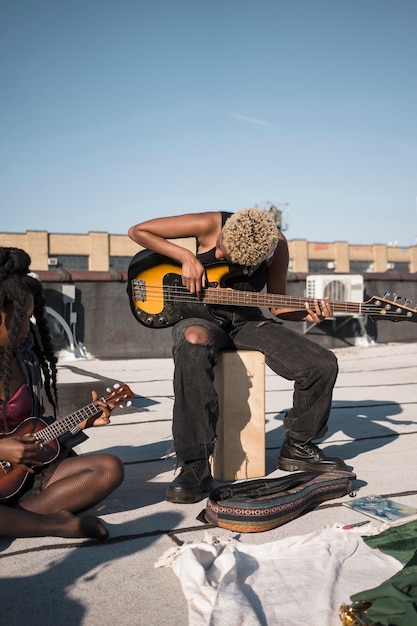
193	276
104	417
321	310
20	451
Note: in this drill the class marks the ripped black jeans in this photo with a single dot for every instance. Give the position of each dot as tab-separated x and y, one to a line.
289	354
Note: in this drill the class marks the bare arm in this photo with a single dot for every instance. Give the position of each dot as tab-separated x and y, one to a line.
157	234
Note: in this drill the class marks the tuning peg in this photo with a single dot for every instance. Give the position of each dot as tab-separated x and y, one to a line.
386	294
408	302
108	389
116	385
129	403
396	297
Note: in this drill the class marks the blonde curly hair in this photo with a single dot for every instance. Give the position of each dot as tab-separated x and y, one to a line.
250	237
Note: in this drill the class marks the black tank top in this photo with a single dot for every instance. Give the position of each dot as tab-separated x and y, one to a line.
236	279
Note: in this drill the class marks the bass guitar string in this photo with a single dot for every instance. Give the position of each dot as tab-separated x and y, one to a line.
227	296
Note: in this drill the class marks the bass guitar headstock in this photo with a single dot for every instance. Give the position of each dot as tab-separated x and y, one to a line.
382	308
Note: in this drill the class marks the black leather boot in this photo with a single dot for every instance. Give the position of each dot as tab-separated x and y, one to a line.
295	455
194	479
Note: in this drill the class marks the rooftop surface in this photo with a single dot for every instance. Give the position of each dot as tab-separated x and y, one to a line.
373	427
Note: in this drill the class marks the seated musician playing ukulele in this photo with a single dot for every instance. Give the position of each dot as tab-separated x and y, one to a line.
257	253
70	484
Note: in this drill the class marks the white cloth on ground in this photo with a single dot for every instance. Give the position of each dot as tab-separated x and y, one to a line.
290	582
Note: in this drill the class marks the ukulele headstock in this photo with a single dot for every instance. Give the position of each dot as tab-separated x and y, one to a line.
118	394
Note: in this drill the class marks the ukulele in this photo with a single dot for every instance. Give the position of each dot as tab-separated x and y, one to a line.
13	478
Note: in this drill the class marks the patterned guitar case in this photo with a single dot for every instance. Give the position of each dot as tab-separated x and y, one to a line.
253	506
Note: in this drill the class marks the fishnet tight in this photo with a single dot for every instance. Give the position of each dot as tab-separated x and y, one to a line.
77	483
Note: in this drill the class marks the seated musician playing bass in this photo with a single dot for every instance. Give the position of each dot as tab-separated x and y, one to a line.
250	243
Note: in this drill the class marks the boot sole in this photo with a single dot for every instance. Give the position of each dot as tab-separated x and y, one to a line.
188	496
289	465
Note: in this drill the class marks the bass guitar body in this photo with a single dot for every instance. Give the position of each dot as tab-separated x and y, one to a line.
156	295
13	477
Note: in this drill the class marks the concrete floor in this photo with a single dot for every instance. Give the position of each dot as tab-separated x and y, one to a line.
373	426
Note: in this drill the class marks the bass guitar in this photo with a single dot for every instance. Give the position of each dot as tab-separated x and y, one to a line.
158	299
13	478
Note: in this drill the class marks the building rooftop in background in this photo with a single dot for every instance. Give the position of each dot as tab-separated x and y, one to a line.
104	252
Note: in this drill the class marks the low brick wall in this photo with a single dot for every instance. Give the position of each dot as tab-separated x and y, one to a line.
108	329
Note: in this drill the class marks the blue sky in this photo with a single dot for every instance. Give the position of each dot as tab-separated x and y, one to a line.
116	111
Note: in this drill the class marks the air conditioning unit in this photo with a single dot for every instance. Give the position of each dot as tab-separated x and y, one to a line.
52	260
338	287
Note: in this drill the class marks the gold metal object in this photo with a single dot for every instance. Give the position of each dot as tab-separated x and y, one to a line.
355	614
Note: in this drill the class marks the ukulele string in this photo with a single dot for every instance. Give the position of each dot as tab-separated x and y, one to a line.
61	426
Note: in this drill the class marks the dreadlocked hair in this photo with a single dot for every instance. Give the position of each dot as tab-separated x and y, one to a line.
15	285
250	236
